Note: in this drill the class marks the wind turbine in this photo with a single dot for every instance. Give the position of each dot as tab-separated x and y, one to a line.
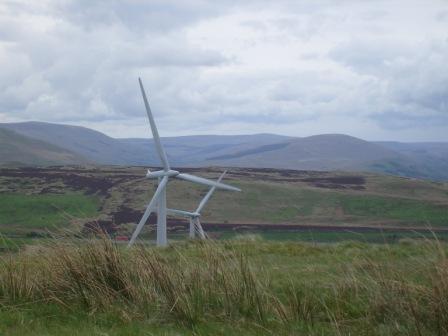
159	197
195	224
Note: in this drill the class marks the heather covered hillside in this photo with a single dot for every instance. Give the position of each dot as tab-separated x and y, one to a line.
39	199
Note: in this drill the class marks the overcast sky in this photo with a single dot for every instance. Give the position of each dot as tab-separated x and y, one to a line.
372	69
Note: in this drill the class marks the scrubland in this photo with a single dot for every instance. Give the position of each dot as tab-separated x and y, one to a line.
245	286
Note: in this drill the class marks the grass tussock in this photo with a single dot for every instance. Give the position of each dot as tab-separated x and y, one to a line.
384	291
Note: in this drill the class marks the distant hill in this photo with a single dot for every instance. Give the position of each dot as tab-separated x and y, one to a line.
194	150
91	144
103	149
319	152
16	149
336	152
430	157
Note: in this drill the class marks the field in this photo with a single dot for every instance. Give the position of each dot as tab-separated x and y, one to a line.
296	205
40	212
295	253
247	287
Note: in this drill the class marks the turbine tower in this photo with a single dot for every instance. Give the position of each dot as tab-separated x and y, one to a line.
163	176
195	224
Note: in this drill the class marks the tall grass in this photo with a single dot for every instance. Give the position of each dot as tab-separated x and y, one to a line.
198	282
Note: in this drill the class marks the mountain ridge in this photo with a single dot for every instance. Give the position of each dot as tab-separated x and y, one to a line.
317	152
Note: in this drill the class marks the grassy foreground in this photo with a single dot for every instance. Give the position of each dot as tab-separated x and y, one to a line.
39	212
244	287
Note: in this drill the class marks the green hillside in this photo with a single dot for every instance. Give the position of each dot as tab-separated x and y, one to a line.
20	212
269	197
17	149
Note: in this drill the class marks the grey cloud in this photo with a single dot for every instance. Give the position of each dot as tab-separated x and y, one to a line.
398	120
370	56
415	79
158	16
442	16
78	62
72	71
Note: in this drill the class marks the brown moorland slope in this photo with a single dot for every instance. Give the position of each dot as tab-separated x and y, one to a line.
269	197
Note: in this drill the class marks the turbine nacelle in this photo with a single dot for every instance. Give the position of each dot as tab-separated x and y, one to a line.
183	213
161	173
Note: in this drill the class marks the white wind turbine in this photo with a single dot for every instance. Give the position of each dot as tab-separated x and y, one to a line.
195	224
159	197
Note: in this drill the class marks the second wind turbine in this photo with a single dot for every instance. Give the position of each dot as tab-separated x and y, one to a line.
159	198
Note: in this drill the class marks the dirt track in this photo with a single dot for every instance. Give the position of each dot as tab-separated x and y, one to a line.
323	228
180	224
127	215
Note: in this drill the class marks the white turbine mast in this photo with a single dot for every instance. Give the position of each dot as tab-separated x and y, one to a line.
195	224
159	198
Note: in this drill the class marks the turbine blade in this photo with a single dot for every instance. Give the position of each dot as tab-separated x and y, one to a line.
179	213
221	176
209	194
200	230
210	183
155	133
149	209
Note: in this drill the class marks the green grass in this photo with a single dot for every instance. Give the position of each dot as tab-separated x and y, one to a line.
38	212
409	211
8	244
316	236
309	235
244	287
50	319
282	203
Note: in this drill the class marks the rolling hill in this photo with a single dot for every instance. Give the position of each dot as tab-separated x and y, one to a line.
432	157
93	145
102	149
16	149
319	152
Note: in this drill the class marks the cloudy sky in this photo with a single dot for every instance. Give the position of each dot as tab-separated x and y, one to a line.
372	69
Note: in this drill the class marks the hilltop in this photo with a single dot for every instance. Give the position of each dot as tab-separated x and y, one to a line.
326	152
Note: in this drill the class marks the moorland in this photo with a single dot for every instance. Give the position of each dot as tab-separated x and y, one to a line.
295	253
